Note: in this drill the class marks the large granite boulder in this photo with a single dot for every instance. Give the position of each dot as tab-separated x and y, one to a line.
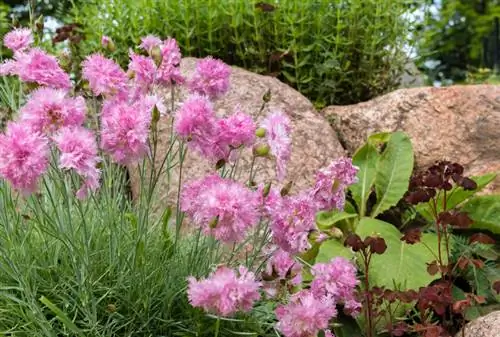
486	326
457	123
315	143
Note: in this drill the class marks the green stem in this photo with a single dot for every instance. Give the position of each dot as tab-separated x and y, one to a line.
217	327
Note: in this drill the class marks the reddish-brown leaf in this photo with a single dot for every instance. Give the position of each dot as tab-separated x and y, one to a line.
432	268
482	238
412	236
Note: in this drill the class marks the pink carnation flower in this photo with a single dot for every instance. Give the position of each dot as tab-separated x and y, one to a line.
18	39
78	149
283	265
336	279
125	130
331	182
221	207
105	77
105	41
169	71
277	126
49	109
225	292
237	130
211	78
23	156
144	71
8	68
292	219
305	315
149	42
38	67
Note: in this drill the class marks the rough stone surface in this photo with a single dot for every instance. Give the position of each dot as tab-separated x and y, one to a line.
314	142
458	123
486	326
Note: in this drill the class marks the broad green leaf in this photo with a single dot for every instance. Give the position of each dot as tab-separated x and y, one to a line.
394	169
326	220
332	248
366	159
457	196
402	264
485	211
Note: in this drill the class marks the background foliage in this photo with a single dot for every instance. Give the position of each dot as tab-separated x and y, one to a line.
333	51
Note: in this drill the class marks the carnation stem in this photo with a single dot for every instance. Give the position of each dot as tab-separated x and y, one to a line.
217	327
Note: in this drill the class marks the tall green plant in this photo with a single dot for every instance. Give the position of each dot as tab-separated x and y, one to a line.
333	51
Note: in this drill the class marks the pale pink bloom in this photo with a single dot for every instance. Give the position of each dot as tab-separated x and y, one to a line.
277	126
292	220
105	77
18	39
125	130
78	149
305	315
49	109
225	292
211	78
221	207
331	183
156	101
144	70
105	41
23	156
8	68
237	130
282	265
336	279
329	333
39	67
169	70
149	42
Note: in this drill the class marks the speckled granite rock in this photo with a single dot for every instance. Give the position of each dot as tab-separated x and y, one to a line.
457	123
486	326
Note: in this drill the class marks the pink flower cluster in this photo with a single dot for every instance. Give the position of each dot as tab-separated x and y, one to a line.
18	39
214	138
105	77
278	128
211	78
221	207
225	292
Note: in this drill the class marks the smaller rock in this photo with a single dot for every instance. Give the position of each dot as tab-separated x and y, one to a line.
486	326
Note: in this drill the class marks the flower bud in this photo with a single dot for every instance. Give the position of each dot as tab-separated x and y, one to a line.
15	22
220	164
266	190
261	150
260	132
155	115
286	189
213	223
267	96
39	23
335	233
156	55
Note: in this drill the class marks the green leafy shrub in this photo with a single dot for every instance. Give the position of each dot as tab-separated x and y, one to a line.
334	52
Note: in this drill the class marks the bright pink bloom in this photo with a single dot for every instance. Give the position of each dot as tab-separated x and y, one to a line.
292	219
278	129
237	130
224	292
305	315
283	265
39	67
211	78
331	182
169	71
329	333
8	68
105	77
78	149
18	39
221	207
152	101
144	71
23	156
125	130
336	279
49	109
149	42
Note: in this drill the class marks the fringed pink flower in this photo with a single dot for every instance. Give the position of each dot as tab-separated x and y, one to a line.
125	130
36	66
278	128
237	130
331	183
169	71
78	149
305	315
144	71
105	77
211	78
225	292
23	156
18	39
49	109
221	207
149	42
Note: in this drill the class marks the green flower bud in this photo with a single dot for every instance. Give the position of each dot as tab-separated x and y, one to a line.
213	223
261	150
156	55
220	164
266	190
260	132
286	189
267	96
